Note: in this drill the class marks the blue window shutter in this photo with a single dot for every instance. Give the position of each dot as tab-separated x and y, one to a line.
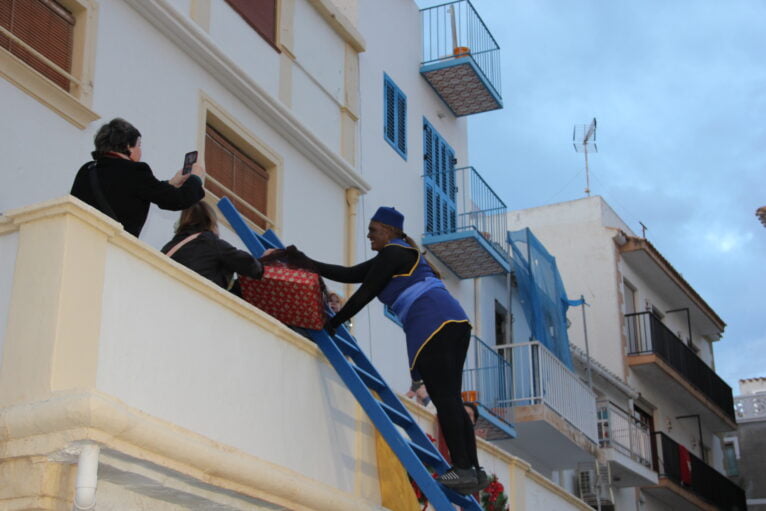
401	122
440	187
394	116
390	112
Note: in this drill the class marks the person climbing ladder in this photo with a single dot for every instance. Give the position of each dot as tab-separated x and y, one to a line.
436	328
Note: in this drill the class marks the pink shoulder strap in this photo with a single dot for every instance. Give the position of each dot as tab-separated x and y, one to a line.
182	243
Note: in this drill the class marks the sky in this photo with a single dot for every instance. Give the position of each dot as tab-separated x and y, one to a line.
679	92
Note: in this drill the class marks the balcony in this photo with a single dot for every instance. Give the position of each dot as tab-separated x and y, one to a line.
552	410
627	446
701	487
487	382
461	59
465	223
655	353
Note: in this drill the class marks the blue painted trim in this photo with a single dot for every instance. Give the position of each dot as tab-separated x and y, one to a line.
496	421
434	239
398	93
456	62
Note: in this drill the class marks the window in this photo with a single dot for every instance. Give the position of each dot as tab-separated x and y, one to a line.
395	116
440	188
45	49
232	173
502	336
261	15
730	456
630	297
44	27
390	314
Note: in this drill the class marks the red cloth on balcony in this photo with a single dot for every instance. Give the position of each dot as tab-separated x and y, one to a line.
686	465
292	296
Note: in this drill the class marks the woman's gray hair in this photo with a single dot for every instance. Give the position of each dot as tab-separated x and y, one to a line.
115	136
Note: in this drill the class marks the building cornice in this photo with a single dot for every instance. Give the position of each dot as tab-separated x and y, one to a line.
190	38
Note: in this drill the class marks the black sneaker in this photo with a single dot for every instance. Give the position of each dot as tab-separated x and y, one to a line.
482	480
461	480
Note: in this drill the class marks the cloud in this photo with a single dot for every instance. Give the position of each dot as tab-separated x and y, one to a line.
727	241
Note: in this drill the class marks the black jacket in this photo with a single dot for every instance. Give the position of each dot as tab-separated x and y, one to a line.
213	258
129	187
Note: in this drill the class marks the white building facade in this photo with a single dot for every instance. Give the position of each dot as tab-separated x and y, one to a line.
128	378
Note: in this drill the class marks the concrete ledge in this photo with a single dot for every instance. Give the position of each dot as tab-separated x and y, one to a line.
48	427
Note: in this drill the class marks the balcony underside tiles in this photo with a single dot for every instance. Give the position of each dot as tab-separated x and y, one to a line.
466	257
461	87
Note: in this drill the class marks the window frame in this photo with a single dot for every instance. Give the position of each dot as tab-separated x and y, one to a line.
245	141
273	43
399	118
73	105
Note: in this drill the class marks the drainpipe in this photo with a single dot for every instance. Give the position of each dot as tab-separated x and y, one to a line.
87	478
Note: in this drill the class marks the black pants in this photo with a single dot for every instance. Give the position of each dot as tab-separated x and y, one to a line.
440	364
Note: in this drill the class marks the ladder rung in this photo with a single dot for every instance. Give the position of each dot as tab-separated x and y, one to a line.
427	457
347	347
397	417
369	380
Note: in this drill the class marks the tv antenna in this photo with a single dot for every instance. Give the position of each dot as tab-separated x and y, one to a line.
584	140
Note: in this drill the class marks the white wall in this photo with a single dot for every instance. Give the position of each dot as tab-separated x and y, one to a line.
203	367
155	85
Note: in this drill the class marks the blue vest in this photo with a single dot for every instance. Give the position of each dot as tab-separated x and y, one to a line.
421	302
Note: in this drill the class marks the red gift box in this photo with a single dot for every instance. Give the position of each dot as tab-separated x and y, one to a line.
292	296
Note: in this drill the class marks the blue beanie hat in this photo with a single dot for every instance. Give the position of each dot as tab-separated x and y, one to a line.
389	216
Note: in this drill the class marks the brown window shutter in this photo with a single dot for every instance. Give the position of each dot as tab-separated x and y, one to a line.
247	181
5	21
47	27
259	14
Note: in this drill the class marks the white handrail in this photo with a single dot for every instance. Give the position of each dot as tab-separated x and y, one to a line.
541	378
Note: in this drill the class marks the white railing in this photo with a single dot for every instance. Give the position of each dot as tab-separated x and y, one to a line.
753	407
541	378
626	434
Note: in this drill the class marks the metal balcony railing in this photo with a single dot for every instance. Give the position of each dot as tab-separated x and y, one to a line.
626	434
701	479
541	378
489	375
752	407
455	29
647	334
460	200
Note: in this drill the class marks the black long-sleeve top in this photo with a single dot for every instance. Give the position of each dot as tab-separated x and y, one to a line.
213	258
374	274
130	187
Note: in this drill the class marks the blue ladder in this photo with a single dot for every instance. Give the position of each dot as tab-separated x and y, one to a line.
386	411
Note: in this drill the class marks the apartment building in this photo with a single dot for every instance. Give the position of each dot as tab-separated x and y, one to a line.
645	347
128	379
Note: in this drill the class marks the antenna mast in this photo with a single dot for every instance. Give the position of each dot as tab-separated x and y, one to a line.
584	139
